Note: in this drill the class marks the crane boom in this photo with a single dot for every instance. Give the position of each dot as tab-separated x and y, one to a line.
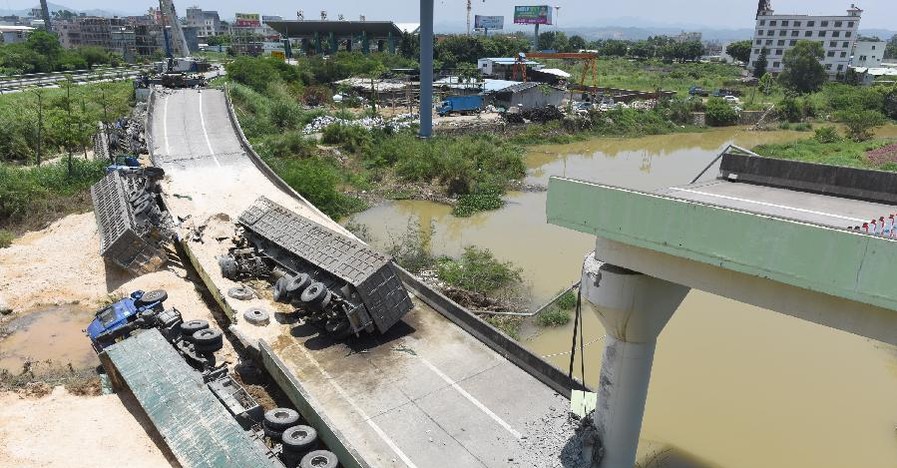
178	41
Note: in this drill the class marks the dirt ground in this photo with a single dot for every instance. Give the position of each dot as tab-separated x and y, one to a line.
60	265
64	430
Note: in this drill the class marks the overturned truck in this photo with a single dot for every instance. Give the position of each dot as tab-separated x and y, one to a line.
134	229
331	278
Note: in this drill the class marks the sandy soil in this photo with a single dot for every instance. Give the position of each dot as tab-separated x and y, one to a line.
63	430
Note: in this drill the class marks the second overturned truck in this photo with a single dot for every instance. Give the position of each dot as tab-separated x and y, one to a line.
332	278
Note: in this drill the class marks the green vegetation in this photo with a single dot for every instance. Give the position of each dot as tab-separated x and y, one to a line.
32	196
842	152
42	53
649	75
553	317
479	271
740	50
720	113
6	238
860	123
19	122
567	301
802	72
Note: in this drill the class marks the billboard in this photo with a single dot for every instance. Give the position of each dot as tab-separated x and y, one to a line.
247	20
532	14
488	22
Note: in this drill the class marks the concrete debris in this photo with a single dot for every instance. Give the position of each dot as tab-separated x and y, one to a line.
398	122
555	441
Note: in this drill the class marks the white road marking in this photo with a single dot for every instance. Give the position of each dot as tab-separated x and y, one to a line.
473	400
345	396
165	126
773	205
202	121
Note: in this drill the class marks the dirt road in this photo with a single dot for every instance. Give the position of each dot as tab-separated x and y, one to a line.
64	430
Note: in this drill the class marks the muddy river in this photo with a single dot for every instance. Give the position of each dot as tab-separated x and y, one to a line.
733	385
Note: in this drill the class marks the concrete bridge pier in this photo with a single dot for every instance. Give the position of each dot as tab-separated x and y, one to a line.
633	308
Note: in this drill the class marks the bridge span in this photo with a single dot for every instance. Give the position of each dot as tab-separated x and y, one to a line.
427	394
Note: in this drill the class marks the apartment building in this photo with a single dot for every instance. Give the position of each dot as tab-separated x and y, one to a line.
868	54
779	33
207	23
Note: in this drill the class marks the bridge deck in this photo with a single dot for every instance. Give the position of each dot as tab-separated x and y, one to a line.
824	210
428	394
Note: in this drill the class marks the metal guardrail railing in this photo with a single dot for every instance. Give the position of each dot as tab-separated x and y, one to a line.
15	82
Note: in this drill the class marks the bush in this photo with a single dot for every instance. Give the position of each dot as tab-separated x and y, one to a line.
479	271
289	144
567	300
471	203
353	138
318	180
860	123
411	250
790	110
827	135
553	317
720	113
6	238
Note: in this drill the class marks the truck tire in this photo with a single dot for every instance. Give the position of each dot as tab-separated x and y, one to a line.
319	459
190	327
208	337
280	419
316	294
299	439
280	294
228	267
241	293
149	297
297	285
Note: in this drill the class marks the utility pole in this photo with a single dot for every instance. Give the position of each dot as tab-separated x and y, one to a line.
68	122
468	17
45	12
426	68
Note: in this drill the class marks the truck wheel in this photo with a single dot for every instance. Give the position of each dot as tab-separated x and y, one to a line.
280	294
190	327
316	294
319	459
241	293
297	285
208	337
299	439
279	419
228	267
156	295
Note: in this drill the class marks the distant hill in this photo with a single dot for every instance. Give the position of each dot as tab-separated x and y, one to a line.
56	7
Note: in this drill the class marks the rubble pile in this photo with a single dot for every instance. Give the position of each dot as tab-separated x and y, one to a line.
543	114
398	122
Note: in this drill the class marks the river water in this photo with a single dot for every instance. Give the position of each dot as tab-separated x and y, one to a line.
732	385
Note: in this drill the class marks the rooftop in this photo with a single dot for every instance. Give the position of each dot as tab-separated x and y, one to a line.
297	28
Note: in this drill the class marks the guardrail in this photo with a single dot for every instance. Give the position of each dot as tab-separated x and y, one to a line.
15	82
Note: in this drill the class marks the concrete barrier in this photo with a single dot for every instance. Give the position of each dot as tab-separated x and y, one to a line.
859	184
491	336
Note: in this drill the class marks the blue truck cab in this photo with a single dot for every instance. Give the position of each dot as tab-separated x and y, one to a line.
460	104
115	321
123	163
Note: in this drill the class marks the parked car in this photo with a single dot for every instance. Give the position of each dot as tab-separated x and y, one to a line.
698	91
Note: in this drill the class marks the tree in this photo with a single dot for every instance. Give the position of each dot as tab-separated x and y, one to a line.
860	122
766	83
760	64
554	40
719	113
891	48
740	51
576	43
802	71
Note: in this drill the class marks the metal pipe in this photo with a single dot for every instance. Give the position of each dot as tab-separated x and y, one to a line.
426	68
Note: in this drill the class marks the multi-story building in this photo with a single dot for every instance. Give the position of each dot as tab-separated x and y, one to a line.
688	37
207	23
868	54
14	34
779	33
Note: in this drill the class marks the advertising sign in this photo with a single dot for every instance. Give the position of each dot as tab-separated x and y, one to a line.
532	14
247	20
488	22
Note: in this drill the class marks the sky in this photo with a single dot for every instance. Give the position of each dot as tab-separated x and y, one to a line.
716	14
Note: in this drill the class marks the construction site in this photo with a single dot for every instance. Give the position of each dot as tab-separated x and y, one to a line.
229	288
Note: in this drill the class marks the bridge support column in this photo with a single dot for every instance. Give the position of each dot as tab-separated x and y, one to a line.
633	308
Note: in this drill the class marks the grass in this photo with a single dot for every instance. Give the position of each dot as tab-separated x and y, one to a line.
567	301
553	317
32	196
479	271
844	152
19	117
6	238
509	324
